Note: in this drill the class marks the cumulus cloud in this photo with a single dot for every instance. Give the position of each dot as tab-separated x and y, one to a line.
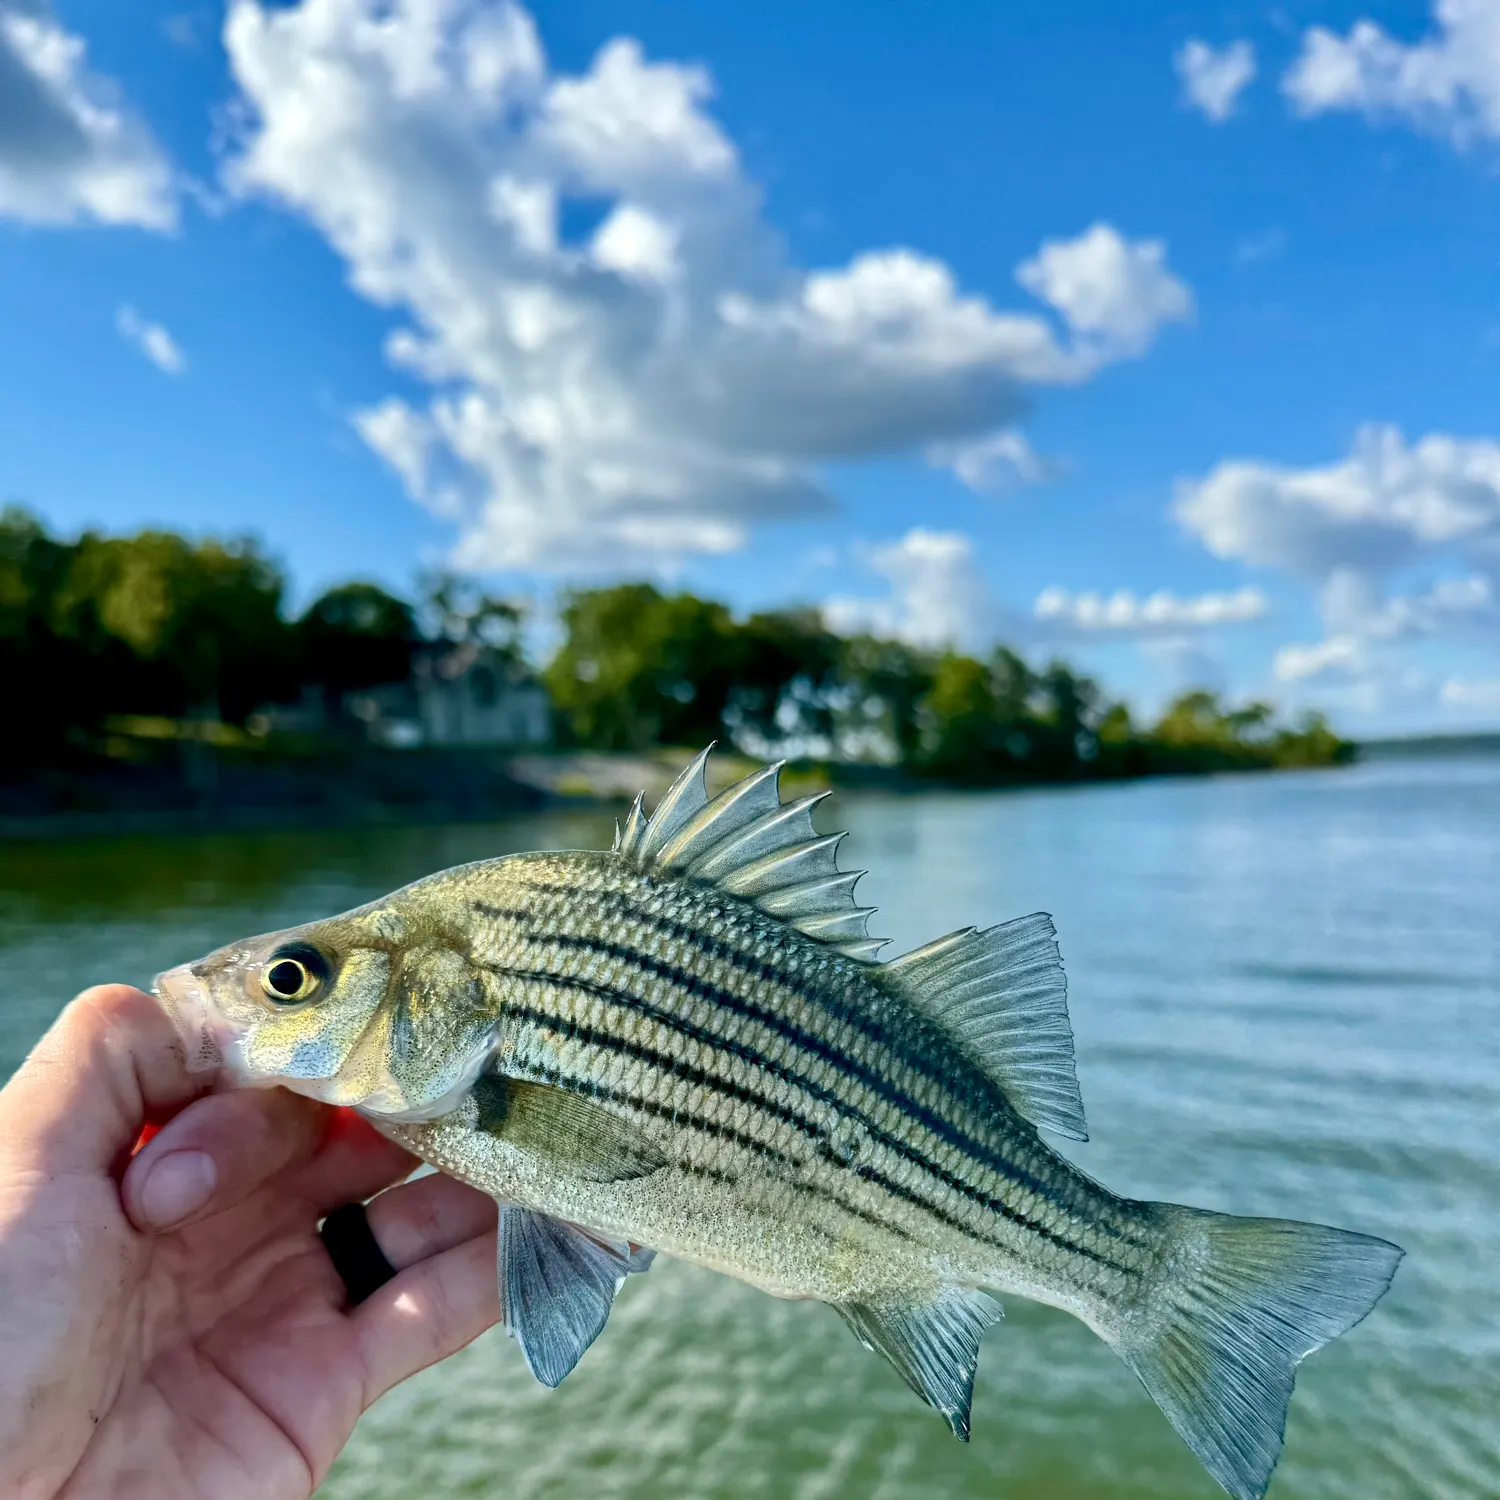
1385	505
1214	78
1336	656
151	339
993	464
667	381
1360	528
1161	613
69	149
938	597
1447	83
1362	625
1115	294
1402	541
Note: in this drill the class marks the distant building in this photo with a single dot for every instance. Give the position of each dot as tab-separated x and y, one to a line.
473	695
456	695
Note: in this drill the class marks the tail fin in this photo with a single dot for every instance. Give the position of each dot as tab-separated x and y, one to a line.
1238	1303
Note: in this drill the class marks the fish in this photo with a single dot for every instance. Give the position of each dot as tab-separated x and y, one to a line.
688	1045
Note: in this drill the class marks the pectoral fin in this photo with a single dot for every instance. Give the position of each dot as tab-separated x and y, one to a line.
935	1345
584	1137
557	1285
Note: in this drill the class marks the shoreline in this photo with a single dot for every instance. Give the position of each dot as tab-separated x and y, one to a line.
493	788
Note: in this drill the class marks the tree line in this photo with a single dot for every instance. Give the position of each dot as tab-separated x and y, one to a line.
96	627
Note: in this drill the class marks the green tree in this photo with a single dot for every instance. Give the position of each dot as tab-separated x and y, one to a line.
1069	708
355	636
1310	743
460	610
878	701
786	671
963	733
181	625
47	683
638	667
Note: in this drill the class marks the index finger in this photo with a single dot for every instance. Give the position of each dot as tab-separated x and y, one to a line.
109	1064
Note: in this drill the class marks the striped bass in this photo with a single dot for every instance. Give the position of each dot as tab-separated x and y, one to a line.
687	1045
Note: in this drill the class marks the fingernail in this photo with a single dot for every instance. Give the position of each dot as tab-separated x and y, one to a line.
178	1185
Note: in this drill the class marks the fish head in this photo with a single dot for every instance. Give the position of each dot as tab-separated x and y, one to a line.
377	1008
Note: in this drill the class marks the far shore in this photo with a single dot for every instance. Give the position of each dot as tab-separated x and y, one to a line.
479	786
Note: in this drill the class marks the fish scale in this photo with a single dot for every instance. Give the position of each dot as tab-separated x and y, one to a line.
686	1045
810	1008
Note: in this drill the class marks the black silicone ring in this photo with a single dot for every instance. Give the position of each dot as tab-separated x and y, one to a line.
356	1256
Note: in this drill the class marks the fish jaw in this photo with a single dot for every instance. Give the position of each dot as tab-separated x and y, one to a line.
212	1043
206	1039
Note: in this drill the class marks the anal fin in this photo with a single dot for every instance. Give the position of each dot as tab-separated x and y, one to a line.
557	1285
935	1345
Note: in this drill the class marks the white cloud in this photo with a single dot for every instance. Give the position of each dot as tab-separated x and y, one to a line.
69	150
1114	293
1402	541
1385	505
1450	604
1337	655
637	245
403	438
1214	78
1481	694
938	596
151	339
1163	612
669	382
1362	625
1448	83
995	463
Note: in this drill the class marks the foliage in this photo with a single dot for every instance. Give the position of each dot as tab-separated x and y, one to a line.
457	609
638	667
158	624
355	636
153	623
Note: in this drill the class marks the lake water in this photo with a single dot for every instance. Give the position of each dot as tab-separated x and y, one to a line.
1286	994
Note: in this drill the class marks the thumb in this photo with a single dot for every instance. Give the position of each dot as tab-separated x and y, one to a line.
111	1063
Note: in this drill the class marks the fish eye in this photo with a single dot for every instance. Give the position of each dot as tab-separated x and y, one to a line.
293	974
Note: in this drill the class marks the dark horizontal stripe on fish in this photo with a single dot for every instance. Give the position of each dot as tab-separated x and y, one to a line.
815	1133
621	903
978	1152
755	967
592	1036
582	1084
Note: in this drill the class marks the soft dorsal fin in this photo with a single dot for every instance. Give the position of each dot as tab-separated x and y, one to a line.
750	843
1002	996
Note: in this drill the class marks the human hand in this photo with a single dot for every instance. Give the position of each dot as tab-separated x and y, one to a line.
170	1323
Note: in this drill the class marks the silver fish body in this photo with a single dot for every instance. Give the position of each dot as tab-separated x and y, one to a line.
817	1137
684	1044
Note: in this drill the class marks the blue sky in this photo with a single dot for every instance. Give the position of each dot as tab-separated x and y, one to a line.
1165	339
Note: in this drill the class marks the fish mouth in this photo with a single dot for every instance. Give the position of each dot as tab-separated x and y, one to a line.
186	1002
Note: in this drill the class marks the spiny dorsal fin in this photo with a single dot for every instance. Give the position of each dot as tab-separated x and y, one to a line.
747	841
1002	996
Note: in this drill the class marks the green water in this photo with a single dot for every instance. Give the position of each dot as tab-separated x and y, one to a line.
1286	992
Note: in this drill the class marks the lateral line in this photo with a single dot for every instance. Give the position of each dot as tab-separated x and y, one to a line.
975	1150
605	1041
